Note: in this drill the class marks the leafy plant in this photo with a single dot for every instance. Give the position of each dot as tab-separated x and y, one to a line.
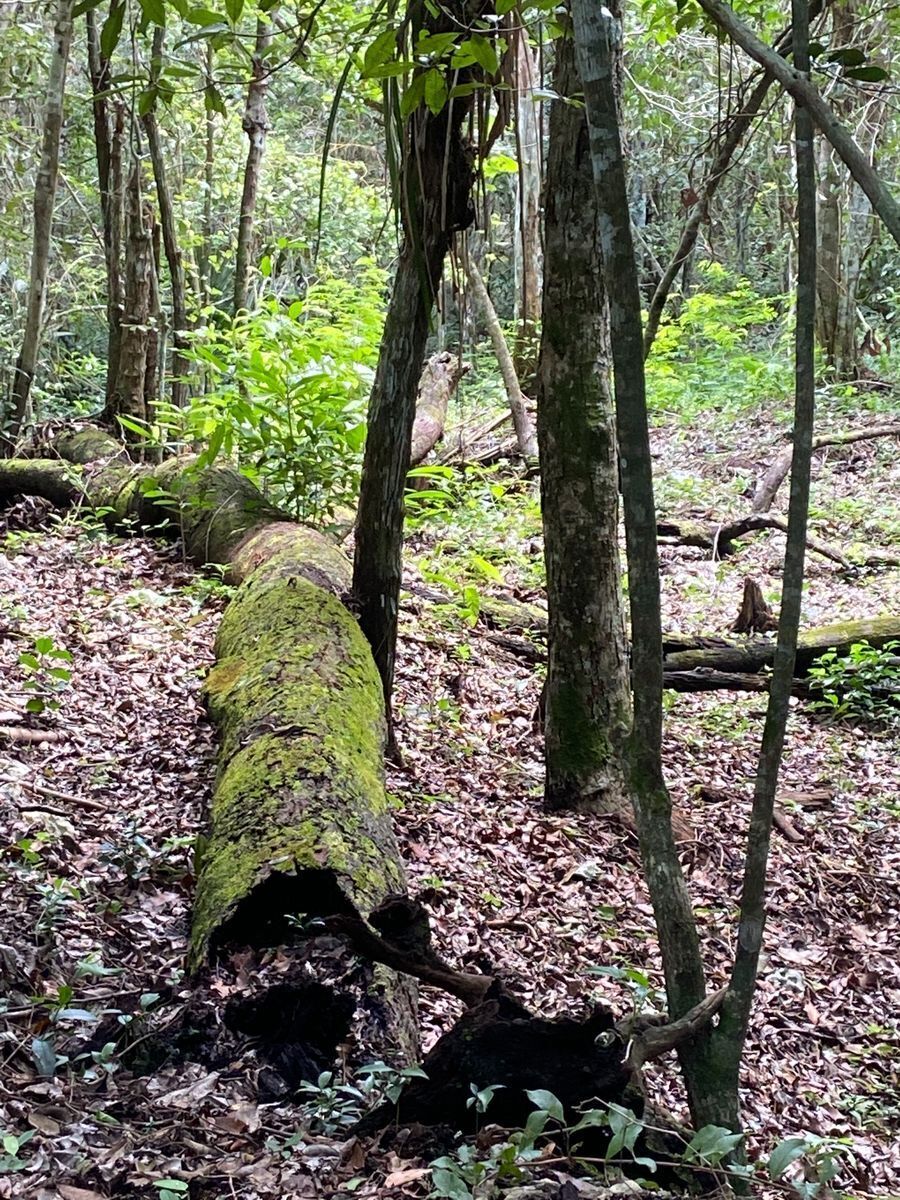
287	389
332	1106
10	1159
45	678
170	1189
863	684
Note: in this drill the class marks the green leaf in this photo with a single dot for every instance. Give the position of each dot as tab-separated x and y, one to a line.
62	673
435	90
784	1154
154	11
847	56
234	8
534	1126
212	102
448	1184
43	645
27	659
172	1185
505	6
112	29
44	1057
265	266
484	53
146	101
868	74
35	705
434	44
412	97
84	6
541	1098
380	51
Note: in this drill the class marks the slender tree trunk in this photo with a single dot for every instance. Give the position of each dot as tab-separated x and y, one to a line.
256	125
586	698
109	134
180	327
525	435
44	197
129	397
735	1016
435	189
527	249
598	49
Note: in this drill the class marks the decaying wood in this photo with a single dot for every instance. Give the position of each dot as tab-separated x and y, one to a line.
767	487
439	381
299	819
755	614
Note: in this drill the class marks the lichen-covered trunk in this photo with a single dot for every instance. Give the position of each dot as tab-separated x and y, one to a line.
299	821
527	246
128	397
587	701
256	126
44	198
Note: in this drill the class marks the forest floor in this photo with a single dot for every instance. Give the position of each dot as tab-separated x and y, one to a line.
99	817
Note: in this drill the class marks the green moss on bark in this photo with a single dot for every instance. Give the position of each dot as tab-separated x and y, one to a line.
298	703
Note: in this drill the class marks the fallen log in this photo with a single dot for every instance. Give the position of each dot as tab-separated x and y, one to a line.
299	820
438	382
767	488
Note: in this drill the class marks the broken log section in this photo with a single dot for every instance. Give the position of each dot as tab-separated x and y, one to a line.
438	382
767	488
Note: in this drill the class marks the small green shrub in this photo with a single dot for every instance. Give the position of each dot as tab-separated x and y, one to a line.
287	392
863	684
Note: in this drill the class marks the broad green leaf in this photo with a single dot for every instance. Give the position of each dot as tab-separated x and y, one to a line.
412	97
435	90
784	1154
380	51
868	74
234	8
154	11
541	1098
112	29
484	53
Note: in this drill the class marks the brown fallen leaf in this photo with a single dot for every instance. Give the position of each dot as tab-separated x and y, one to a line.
69	1192
397	1178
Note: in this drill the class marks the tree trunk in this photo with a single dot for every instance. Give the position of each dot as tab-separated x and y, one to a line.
525	436
598	49
109	132
435	190
527	247
256	125
128	399
587	702
204	250
180	326
731	1032
44	197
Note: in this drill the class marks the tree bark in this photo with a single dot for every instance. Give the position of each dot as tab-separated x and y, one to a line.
44	198
731	1033
109	131
525	435
435	200
256	125
437	384
587	700
598	52
527	246
128	398
174	261
804	92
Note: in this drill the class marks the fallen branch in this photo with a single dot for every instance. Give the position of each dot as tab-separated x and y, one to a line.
439	380
650	1041
768	486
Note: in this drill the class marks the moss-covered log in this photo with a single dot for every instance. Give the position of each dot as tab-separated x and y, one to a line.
299	821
